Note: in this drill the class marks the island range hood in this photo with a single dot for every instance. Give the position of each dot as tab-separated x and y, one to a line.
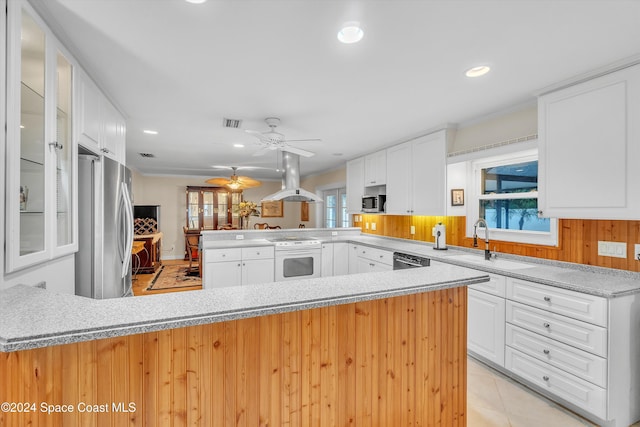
291	191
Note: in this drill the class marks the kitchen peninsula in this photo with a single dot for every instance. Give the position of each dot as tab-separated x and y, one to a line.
370	349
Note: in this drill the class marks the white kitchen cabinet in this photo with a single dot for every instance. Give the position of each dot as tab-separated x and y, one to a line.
375	169
416	176
101	127
335	259
372	260
40	154
353	258
589	148
486	319
355	185
327	260
238	266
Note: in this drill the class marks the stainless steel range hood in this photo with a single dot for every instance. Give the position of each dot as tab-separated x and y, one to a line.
291	191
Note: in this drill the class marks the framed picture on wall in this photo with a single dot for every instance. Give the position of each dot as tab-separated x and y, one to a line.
457	197
304	211
272	209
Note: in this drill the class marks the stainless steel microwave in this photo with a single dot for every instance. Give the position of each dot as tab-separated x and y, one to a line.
373	204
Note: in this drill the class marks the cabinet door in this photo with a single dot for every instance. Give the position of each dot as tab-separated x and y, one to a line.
375	169
327	260
89	113
353	258
486	325
340	259
399	179
113	143
355	185
258	271
589	150
428	174
221	274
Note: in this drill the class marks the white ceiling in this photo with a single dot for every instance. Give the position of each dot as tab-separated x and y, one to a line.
180	68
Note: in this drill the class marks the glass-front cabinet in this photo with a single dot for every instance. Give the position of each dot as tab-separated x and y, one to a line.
209	208
40	149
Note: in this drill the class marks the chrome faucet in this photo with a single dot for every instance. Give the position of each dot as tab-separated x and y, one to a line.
487	252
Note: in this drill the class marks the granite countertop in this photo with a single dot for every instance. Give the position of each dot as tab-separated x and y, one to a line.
599	281
31	317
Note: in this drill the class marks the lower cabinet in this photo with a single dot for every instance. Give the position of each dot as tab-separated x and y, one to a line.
371	260
578	349
485	328
335	259
238	266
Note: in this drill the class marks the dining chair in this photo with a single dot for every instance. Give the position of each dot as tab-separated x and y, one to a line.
192	243
261	226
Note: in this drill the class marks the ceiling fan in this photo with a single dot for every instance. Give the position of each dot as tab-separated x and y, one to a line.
272	140
235	182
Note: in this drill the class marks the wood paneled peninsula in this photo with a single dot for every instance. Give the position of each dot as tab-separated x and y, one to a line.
364	349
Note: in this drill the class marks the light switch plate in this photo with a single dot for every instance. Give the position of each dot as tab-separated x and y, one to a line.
373	226
239	236
636	252
612	249
413	229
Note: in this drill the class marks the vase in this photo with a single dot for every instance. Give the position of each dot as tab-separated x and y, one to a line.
245	223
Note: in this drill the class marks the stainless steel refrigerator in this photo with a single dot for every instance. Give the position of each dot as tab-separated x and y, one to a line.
105	228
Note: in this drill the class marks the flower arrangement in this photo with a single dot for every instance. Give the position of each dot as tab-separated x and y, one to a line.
247	209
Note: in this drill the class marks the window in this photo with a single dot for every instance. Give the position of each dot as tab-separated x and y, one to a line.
505	194
335	208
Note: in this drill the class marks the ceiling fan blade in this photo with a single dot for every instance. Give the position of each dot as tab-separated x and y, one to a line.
261	136
218	181
246	182
303	140
261	152
299	151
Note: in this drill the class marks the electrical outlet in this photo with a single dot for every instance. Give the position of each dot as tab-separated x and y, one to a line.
239	236
334	233
373	226
612	249
413	229
366	225
636	252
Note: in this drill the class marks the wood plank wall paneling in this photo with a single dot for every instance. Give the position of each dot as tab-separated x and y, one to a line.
577	240
390	362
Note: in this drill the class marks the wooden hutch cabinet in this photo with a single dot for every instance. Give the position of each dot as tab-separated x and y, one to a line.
208	208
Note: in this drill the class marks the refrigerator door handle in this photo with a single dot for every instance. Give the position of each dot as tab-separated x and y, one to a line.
129	229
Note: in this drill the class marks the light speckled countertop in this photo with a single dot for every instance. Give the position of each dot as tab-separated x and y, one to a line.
32	317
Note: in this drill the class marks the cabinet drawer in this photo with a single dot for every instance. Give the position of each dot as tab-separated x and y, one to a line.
580	306
585	365
581	393
218	255
262	252
496	285
375	254
570	331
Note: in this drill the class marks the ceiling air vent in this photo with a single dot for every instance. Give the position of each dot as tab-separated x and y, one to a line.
231	123
147	155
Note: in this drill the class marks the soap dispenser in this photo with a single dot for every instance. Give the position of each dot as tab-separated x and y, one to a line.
440	234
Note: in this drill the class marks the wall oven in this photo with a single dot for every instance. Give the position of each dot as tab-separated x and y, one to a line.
297	258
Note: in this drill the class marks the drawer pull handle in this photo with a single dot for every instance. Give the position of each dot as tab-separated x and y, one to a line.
547	299
546	325
546	378
546	351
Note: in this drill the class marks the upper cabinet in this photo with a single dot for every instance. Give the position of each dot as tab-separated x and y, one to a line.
40	219
589	148
355	185
375	169
416	176
101	127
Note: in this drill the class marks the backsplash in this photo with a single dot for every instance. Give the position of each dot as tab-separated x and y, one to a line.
578	239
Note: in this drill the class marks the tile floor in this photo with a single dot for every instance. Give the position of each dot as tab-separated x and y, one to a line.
495	400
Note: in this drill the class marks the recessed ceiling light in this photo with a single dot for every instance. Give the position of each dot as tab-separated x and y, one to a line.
478	71
150	132
350	33
196	1
238	145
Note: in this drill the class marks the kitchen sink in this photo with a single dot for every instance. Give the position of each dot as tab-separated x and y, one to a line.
494	262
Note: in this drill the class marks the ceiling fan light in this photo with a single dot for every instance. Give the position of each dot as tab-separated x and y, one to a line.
350	33
234	185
